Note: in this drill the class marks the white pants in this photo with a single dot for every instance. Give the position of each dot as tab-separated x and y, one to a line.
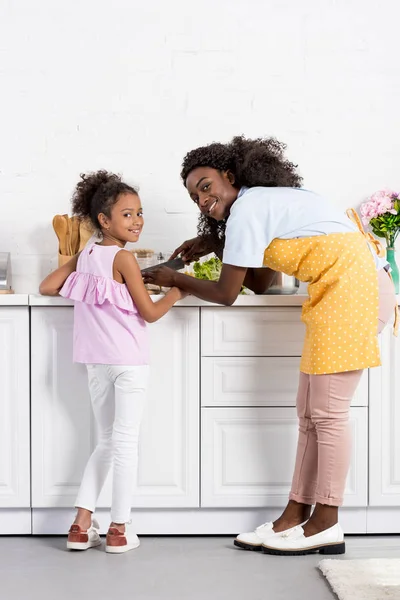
118	396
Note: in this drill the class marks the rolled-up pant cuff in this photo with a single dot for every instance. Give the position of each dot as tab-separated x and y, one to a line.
120	519
302	499
85	506
313	500
328	501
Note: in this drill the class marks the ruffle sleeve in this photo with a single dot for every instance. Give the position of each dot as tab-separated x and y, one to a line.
94	289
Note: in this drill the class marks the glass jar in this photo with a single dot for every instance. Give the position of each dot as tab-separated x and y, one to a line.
145	258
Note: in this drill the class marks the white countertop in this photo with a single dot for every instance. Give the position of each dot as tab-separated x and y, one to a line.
243	300
14	299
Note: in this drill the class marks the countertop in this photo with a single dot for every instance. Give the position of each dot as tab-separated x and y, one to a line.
243	300
14	299
251	300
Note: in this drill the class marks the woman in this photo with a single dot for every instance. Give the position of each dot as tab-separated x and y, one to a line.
254	215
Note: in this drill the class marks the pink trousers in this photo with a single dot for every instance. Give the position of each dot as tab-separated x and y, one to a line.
324	444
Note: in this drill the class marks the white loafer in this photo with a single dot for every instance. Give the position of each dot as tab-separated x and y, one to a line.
294	542
81	539
255	539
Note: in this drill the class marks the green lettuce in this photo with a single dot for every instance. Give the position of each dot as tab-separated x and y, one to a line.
210	270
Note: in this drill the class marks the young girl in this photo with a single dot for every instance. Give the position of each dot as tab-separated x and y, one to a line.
110	337
255	216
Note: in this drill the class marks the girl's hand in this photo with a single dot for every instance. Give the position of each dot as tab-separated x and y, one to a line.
181	293
54	282
193	249
163	276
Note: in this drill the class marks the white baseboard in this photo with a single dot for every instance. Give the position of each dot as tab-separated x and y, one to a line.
15	521
56	521
383	520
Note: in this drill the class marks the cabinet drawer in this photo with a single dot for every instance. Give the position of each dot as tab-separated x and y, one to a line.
251	331
249	381
257	381
248	457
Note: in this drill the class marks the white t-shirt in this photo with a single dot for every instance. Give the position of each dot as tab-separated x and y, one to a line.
261	214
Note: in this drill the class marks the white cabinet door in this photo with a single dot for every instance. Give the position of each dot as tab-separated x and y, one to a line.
169	450
248	457
61	413
14	407
251	331
257	381
63	431
384	430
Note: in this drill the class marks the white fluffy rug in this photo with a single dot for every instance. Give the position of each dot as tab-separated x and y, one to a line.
369	579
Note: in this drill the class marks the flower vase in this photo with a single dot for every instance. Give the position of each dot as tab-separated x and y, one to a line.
391	258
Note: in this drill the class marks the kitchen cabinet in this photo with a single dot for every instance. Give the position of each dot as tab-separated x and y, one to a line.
235	369
14	407
249	376
384	425
14	420
63	432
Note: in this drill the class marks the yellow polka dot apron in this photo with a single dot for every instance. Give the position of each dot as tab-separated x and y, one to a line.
341	313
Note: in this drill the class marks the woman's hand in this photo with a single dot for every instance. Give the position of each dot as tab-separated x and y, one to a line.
193	249
163	276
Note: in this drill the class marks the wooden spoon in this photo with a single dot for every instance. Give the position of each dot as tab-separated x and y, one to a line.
68	250
75	225
85	233
60	227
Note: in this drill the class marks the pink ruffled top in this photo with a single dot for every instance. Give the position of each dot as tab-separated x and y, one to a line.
108	328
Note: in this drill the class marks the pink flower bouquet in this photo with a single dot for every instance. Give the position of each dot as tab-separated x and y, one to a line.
382	213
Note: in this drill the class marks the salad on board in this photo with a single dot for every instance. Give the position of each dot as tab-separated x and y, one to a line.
210	270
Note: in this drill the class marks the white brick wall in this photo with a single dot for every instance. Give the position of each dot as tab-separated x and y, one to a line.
131	86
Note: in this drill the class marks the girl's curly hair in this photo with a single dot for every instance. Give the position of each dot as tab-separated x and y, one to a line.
258	162
96	193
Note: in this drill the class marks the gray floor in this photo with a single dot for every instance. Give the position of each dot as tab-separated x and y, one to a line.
190	568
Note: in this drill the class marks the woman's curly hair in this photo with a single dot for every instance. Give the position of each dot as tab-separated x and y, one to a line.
96	193
258	162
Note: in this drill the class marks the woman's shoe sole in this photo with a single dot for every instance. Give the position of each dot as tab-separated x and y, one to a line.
327	549
245	546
